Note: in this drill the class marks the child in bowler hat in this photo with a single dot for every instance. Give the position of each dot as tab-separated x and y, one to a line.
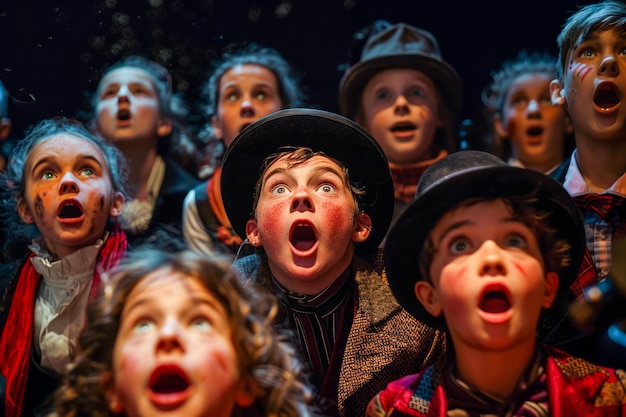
312	192
407	97
485	252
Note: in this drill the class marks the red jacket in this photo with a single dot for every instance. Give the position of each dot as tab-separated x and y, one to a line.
575	388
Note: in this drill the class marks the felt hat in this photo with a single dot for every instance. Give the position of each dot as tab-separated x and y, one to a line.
458	177
400	46
319	130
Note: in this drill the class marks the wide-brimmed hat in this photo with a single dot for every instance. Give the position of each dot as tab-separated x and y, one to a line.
458	177
319	130
400	46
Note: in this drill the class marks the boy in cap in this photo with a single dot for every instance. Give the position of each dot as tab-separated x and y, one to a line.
487	251
314	210
407	97
591	87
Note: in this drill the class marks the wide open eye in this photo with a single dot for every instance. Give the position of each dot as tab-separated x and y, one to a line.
515	240
459	246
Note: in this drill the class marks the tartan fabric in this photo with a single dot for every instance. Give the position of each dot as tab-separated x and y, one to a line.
603	215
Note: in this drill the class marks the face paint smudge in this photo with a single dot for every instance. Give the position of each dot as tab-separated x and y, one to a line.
38	203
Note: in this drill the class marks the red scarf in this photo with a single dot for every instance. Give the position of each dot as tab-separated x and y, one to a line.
17	335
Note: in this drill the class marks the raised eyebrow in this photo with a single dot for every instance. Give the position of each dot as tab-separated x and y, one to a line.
42	161
275	171
453	227
51	159
333	171
90	157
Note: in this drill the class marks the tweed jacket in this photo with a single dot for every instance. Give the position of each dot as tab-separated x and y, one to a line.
575	388
384	341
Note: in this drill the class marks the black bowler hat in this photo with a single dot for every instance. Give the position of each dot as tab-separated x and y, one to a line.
319	130
458	177
400	46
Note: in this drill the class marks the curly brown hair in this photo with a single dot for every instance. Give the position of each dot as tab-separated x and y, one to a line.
267	359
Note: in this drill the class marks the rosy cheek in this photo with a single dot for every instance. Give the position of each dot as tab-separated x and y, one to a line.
271	218
334	216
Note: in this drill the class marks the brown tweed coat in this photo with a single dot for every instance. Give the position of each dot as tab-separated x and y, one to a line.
384	343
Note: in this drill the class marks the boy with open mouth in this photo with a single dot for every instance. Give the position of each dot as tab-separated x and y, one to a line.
486	252
316	211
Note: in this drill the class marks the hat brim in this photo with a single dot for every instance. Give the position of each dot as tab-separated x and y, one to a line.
354	80
319	130
408	234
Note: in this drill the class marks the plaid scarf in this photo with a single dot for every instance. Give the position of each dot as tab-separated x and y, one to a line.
17	335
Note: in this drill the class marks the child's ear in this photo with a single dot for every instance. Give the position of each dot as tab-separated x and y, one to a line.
498	127
110	394
117	205
362	227
247	394
164	126
551	288
5	128
569	127
427	295
24	212
252	233
217	127
557	93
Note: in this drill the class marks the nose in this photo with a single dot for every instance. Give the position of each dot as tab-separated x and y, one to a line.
69	184
170	336
491	260
123	93
609	66
247	109
533	108
401	105
302	200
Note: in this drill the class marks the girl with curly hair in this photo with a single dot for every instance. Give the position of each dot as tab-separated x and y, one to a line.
177	331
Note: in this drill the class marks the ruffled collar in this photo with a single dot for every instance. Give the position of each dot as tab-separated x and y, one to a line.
72	265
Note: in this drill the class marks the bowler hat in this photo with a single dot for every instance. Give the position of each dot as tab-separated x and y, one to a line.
458	177
400	46
319	130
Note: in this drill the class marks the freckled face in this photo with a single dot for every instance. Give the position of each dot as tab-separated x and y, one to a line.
400	112
305	219
173	329
595	63
484	248
535	127
68	193
128	106
246	93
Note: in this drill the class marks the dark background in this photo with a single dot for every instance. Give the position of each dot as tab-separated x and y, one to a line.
52	52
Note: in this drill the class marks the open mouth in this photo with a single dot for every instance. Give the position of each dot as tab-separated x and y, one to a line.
70	210
534	131
123	115
607	96
169	385
495	301
303	237
403	127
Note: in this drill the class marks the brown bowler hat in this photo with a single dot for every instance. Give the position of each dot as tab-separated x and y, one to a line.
400	46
